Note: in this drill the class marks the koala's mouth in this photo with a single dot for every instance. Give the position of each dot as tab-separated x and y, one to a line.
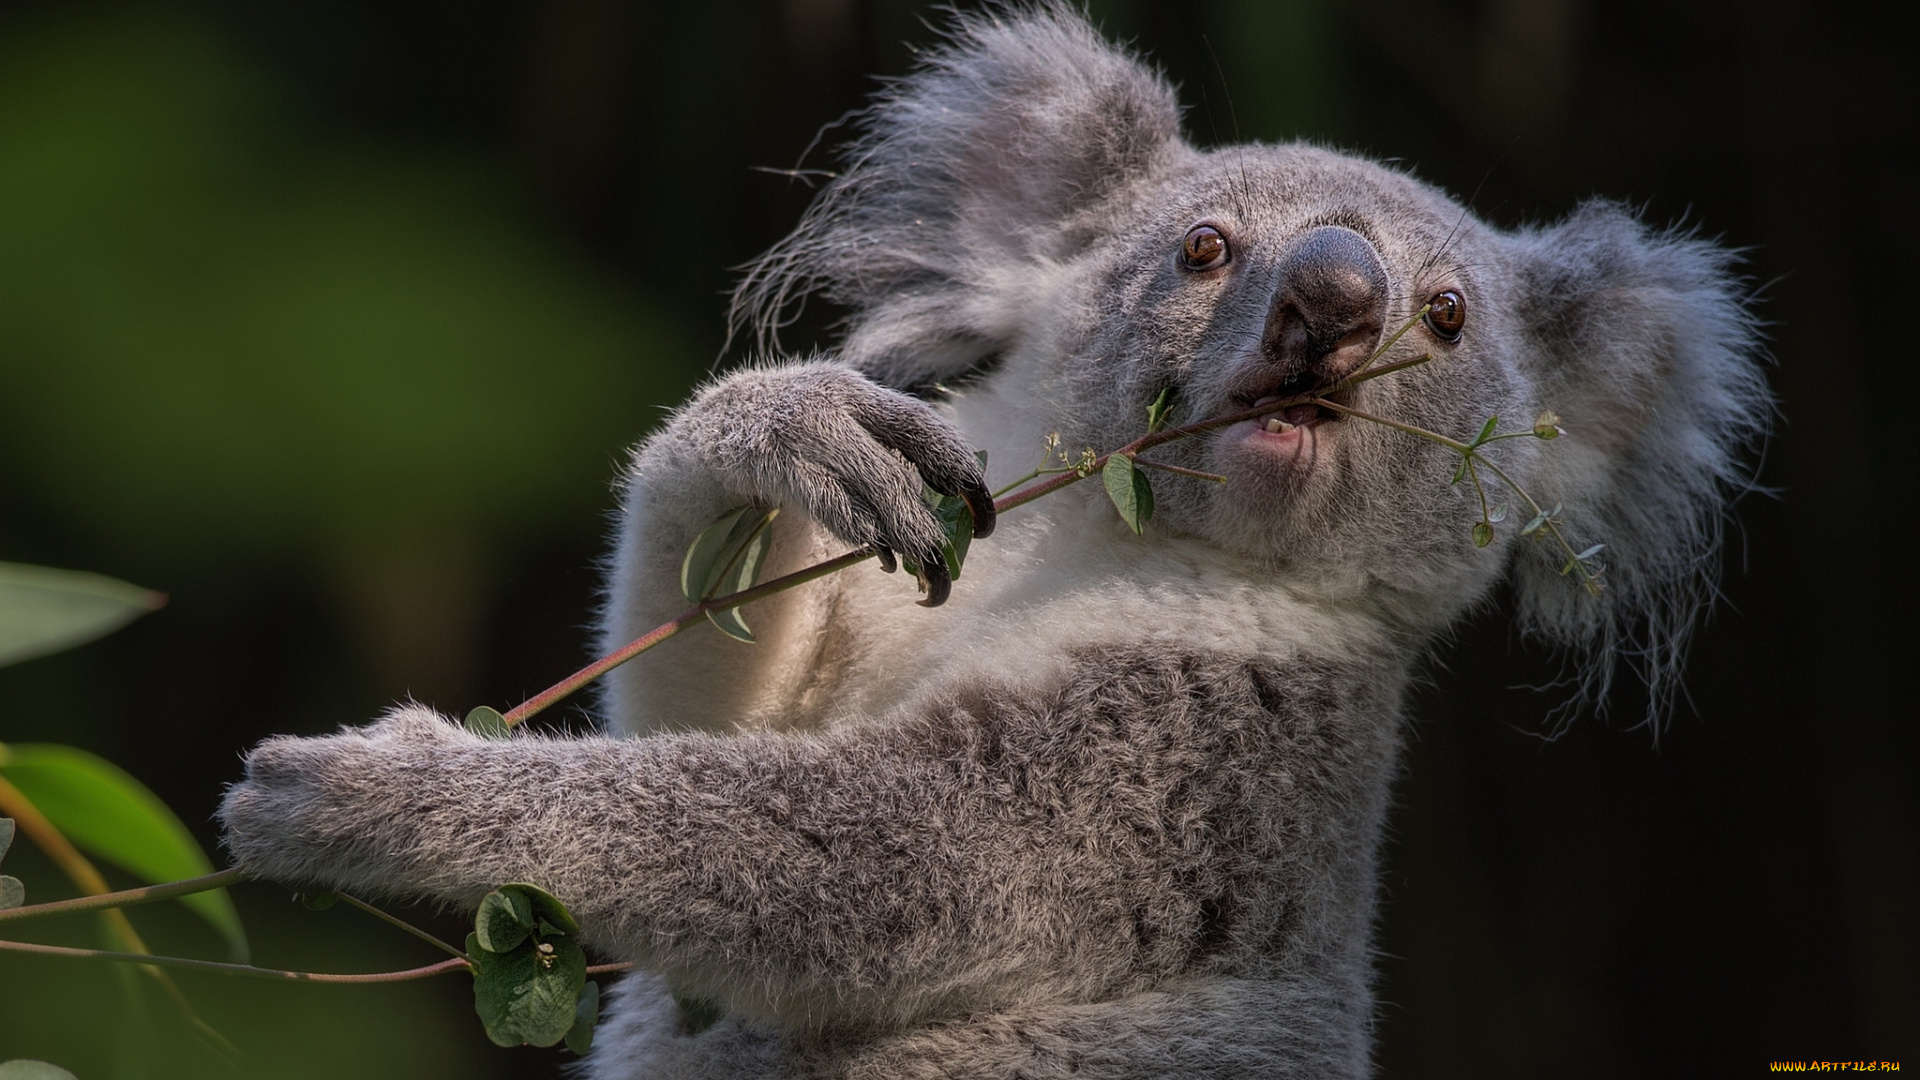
1284	420
1293	416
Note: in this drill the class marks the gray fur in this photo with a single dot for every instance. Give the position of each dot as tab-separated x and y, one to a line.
1114	811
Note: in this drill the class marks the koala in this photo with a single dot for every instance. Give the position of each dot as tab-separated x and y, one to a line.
1115	808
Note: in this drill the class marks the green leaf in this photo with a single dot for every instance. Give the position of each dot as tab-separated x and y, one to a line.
1539	520
1580	558
1486	431
108	813
1465	460
318	901
1547	425
486	722
956	523
44	610
529	995
22	1069
1482	534
1127	486
1157	412
716	554
726	558
1498	514
505	919
586	1013
544	905
12	892
6	835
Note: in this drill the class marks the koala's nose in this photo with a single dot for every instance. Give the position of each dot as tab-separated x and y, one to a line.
1330	305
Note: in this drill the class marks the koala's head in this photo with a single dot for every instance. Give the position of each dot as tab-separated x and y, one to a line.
1023	209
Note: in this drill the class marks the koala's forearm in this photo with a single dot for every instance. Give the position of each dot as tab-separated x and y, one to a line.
1052	839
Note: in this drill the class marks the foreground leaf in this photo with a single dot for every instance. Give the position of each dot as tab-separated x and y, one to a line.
12	892
486	722
108	813
1127	486
585	1014
956	522
529	995
505	919
1157	412
43	610
726	558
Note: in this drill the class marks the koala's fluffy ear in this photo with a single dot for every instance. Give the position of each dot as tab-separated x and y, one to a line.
1009	149
1641	340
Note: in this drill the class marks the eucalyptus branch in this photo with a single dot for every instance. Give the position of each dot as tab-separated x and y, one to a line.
402	924
1195	473
48	837
1544	428
1005	499
146	894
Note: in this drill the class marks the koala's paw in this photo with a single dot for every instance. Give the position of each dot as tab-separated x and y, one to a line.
851	453
331	811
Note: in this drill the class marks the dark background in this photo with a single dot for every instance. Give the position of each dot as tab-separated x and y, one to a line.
331	318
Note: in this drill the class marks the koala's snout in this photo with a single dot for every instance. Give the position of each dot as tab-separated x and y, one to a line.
1330	304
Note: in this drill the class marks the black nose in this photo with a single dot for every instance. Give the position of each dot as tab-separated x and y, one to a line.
1331	304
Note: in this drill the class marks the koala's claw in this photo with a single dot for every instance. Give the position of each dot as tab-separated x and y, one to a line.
973	491
852	454
934	580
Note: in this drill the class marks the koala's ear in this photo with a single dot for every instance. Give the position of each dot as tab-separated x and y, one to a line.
1011	147
1641	341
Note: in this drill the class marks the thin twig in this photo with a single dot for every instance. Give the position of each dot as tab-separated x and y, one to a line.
219	968
1164	467
146	894
1071	475
48	837
403	924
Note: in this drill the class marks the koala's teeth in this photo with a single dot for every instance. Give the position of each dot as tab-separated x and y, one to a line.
1278	426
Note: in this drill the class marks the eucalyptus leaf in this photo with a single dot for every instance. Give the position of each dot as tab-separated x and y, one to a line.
43	610
106	812
586	1013
1539	520
529	995
543	905
505	920
1486	431
718	554
1127	486
1157	412
699	568
956	523
12	892
6	835
748	542
1546	425
486	722
319	901
1482	534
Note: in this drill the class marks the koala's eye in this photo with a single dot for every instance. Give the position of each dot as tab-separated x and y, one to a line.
1204	248
1447	314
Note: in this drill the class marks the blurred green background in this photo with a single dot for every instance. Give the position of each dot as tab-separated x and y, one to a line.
332	318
